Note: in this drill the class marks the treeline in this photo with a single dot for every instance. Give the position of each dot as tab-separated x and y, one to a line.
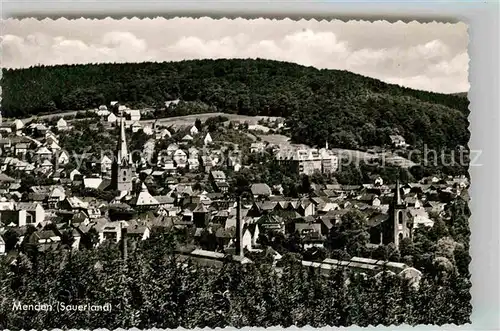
347	109
154	290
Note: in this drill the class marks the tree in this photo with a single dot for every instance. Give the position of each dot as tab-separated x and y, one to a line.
11	239
306	185
67	239
197	124
350	235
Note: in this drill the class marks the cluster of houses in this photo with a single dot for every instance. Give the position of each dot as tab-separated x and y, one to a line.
216	222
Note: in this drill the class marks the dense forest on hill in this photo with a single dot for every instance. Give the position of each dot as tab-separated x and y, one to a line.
347	109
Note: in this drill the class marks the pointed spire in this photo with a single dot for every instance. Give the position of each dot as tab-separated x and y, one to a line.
122	153
397	194
326	145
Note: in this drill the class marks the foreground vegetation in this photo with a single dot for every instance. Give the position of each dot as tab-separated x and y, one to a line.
152	289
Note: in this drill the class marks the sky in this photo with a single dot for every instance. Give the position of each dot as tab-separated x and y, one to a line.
430	56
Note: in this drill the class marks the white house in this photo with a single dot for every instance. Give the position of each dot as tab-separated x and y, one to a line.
208	139
18	125
250	236
162	134
111	118
193	130
171	149
43	153
180	157
35	213
62	124
62	157
106	164
398	141
133	114
193	164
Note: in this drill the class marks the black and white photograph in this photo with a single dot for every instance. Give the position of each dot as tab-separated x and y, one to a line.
199	172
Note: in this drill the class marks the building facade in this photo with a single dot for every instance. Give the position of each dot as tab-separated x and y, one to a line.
306	161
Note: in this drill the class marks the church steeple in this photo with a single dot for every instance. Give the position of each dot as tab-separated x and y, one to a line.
122	169
397	195
326	145
401	224
122	155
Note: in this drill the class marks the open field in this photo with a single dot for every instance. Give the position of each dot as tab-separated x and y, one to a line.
189	119
174	121
275	139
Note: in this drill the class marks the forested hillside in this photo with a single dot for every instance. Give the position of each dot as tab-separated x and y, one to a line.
348	109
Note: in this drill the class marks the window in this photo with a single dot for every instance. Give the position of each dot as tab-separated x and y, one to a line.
400	236
124	172
400	217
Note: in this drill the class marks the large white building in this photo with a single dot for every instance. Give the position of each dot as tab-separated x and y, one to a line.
308	160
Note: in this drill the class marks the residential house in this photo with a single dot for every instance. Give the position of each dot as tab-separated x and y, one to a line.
193	164
162	134
171	149
250	235
398	141
111	118
144	200
180	158
105	164
171	103
62	157
6	127
62	125
257	147
218	176
45	240
43	153
187	138
208	139
137	230
136	127
18	126
35	213
234	163
111	231
133	115
194	130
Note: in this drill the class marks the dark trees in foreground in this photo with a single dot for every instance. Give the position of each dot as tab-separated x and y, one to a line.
154	290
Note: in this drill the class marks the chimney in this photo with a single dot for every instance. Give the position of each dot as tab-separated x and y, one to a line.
239	228
124	242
